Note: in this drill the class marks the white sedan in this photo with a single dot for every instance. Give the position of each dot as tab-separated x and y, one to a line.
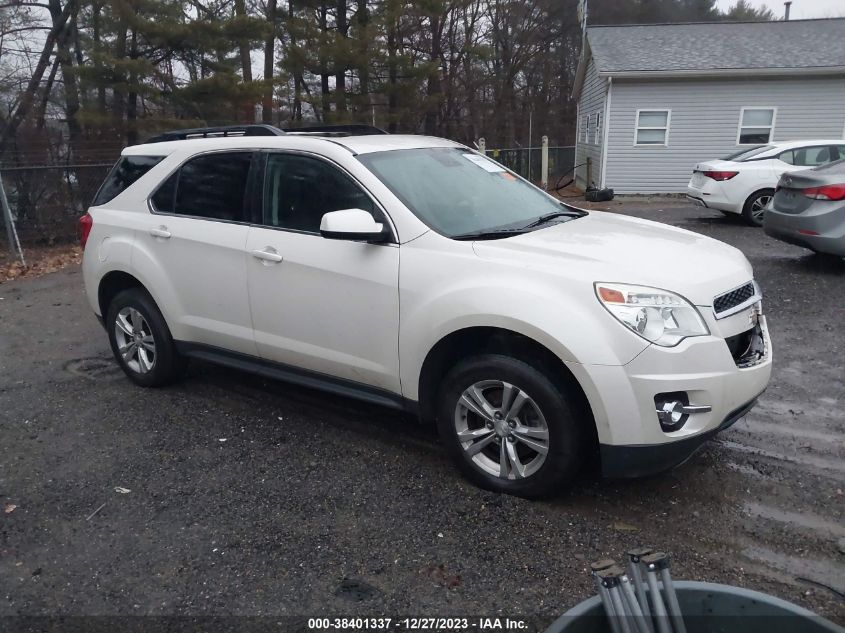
745	182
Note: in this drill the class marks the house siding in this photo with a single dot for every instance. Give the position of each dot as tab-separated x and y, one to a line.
704	119
590	102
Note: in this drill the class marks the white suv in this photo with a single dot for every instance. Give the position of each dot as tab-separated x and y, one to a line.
416	273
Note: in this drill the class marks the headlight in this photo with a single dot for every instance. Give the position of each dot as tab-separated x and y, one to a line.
659	316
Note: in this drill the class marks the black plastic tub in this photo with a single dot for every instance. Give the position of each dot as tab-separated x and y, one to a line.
711	608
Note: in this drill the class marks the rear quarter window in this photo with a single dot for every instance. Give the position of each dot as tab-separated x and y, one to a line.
125	173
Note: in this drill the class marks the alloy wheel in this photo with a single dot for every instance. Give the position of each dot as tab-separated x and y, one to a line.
758	207
135	341
502	429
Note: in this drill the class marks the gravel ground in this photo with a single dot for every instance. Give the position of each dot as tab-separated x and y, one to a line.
231	495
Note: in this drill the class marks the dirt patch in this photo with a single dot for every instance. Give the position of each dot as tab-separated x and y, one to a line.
40	260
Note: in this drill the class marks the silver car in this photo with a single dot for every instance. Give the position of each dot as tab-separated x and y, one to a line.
808	209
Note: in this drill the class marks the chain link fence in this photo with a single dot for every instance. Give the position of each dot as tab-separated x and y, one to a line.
527	161
46	200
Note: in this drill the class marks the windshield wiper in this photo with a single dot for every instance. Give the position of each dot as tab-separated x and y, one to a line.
488	235
551	216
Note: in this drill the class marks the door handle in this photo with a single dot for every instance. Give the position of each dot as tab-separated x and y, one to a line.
269	254
160	231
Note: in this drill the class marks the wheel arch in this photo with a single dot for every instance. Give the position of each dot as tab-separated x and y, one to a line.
118	280
113	283
474	340
755	191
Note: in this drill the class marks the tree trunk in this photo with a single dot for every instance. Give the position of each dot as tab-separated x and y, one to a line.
101	88
340	66
243	46
119	100
269	64
324	71
132	96
363	57
296	113
63	54
45	94
28	96
434	89
392	73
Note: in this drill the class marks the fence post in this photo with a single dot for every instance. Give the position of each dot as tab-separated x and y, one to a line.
482	145
11	234
544	162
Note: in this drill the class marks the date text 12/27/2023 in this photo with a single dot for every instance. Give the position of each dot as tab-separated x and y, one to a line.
492	624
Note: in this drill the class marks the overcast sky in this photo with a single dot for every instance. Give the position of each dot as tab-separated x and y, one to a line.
800	8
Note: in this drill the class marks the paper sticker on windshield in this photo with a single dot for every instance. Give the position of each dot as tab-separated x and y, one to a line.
485	163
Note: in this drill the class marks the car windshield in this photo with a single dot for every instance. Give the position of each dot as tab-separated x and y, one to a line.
461	194
748	153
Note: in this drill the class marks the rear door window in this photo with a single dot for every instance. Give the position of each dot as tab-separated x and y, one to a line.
125	173
808	156
212	186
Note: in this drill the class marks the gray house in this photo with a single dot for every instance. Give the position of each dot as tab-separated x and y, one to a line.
655	99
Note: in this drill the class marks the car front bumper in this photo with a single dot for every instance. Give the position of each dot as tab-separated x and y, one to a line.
648	459
828	226
622	398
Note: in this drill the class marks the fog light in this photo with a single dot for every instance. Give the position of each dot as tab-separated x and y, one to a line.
674	409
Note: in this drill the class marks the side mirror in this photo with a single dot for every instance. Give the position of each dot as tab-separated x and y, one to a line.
352	224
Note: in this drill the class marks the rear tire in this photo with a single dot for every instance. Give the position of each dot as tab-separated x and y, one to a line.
141	341
755	207
529	446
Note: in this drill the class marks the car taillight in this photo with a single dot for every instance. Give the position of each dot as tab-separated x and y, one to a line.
83	229
720	175
826	192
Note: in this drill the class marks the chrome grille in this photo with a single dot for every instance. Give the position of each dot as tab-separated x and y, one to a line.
735	297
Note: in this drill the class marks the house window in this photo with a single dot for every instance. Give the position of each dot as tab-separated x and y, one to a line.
652	127
598	138
756	126
585	128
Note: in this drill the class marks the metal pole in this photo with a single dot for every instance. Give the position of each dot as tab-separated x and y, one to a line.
634	557
658	563
633	606
597	568
672	599
11	232
544	162
529	145
610	580
659	609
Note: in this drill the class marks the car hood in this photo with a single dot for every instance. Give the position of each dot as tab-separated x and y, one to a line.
615	248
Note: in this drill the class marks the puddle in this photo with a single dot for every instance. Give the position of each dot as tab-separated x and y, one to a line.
96	368
355	590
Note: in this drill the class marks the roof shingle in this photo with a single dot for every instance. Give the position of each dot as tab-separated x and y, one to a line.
718	45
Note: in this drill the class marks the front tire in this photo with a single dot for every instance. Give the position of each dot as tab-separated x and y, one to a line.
755	207
141	341
508	427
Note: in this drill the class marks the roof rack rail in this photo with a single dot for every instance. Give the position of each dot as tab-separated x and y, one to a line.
217	132
343	129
